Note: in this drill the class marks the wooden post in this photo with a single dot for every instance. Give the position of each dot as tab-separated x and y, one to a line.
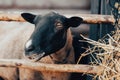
97	31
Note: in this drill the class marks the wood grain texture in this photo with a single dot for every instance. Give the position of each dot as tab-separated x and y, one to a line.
87	18
50	67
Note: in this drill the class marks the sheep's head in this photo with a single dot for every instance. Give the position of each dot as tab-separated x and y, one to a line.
49	35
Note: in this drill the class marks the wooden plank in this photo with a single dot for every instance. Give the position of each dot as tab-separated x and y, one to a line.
88	18
50	67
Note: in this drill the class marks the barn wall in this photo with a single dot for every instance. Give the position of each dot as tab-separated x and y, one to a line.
76	4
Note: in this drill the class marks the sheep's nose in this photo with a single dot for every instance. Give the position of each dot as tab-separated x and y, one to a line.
30	48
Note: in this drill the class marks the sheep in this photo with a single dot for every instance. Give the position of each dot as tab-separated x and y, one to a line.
50	42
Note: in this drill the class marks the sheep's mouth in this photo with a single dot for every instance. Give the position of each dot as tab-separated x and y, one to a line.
35	57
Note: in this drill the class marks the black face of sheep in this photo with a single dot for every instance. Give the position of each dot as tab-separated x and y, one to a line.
49	35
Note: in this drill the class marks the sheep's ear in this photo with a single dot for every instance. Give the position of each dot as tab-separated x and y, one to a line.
74	21
29	17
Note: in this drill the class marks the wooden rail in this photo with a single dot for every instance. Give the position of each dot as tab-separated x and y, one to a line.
88	18
50	67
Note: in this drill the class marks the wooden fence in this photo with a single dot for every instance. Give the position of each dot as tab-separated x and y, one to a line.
78	68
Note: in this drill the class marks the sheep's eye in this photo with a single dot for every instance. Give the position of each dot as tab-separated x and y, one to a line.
58	25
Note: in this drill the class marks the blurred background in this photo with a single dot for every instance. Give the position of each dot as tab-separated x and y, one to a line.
65	7
45	4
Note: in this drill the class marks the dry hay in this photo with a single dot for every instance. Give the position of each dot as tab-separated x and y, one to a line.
106	53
